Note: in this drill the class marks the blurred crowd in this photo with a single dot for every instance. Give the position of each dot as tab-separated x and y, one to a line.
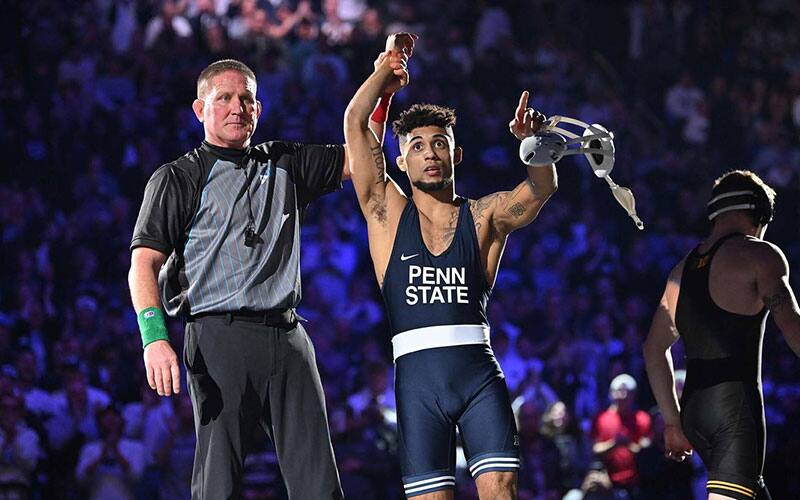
96	95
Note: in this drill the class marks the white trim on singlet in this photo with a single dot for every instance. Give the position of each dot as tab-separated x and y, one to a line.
494	462
431	337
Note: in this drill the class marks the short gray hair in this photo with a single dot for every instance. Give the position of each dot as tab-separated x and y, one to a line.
218	67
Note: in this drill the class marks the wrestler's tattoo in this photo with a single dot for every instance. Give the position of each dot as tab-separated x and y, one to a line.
516	210
380	164
450	230
478	207
377	208
519	189
531	185
778	299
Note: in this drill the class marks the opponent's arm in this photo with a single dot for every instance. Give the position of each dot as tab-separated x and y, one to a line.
658	362
160	360
772	280
658	347
507	211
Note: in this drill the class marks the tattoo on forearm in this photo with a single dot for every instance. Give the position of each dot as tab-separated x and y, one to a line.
778	299
380	164
516	210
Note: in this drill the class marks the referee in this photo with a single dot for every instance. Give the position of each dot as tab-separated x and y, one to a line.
217	243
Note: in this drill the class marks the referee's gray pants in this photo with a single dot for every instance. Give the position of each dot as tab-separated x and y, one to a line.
243	374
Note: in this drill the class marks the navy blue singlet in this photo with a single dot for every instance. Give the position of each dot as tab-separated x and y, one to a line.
422	290
446	375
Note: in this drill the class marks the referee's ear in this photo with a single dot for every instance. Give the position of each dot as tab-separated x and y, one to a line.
198	105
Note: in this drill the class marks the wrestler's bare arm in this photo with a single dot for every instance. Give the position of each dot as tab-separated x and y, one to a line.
772	280
657	349
506	211
660	372
498	214
380	199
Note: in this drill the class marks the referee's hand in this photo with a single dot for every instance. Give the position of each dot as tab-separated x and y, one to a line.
161	365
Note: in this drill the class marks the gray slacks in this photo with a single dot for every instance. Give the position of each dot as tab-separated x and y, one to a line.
242	374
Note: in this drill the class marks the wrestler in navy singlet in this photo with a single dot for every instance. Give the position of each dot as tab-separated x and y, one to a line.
722	411
446	374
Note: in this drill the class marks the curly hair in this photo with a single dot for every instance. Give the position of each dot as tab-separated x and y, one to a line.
423	115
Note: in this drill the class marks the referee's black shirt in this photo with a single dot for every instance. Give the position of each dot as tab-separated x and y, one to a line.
196	211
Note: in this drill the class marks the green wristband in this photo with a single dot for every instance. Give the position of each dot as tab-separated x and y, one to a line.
152	325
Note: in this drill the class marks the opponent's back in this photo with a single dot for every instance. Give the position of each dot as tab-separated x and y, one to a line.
723	343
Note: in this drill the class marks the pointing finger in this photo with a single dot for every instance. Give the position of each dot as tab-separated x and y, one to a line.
523	103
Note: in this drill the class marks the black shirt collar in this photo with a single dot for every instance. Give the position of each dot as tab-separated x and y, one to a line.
230	154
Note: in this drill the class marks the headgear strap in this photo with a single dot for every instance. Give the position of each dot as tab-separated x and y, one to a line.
734	200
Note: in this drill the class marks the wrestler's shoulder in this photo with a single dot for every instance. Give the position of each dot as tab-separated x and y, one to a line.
755	250
758	247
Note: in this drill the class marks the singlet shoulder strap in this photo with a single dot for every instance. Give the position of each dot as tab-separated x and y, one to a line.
406	226
716	245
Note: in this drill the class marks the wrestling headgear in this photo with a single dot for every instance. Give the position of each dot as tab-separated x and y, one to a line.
739	190
596	144
552	144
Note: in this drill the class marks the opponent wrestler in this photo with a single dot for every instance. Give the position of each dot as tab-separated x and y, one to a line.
436	256
717	299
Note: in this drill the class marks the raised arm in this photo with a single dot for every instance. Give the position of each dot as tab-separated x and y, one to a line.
377	121
363	136
660	372
507	211
380	199
772	280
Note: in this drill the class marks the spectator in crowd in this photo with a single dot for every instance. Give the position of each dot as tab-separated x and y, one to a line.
37	400
170	444
19	449
559	426
110	466
539	454
620	433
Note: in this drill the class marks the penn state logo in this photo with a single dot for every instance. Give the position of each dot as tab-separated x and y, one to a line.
431	285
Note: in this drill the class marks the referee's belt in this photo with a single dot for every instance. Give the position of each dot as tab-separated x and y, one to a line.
286	318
